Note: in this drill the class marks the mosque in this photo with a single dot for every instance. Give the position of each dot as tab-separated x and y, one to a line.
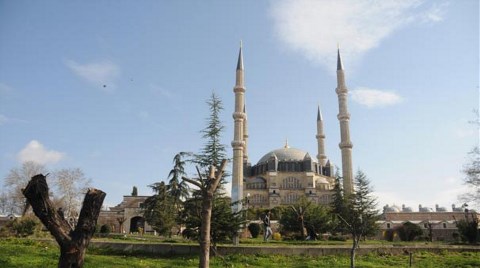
285	174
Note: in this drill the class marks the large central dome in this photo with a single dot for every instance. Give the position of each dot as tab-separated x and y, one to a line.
285	154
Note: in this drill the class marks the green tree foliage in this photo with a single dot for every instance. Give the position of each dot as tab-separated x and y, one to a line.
213	151
158	210
134	191
254	229
305	219
224	223
468	229
409	231
359	214
338	206
24	226
177	188
105	229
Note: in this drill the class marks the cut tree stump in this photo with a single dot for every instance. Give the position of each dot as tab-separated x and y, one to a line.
73	242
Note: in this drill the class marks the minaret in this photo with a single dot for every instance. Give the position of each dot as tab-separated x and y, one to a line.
344	118
322	158
245	135
238	143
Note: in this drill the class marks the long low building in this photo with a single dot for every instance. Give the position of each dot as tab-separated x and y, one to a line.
438	223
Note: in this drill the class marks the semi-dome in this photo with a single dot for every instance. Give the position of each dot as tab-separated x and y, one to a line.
285	154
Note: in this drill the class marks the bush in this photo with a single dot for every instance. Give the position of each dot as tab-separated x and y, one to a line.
277	236
409	231
24	227
254	229
337	238
105	229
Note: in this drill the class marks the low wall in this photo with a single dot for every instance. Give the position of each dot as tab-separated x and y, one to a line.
176	249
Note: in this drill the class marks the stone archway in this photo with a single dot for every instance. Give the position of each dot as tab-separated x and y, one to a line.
136	223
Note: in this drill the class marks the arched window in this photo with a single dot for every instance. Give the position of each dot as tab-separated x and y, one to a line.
257	183
291	183
290	198
258	199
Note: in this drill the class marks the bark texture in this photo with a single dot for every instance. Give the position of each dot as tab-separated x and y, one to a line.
207	187
73	242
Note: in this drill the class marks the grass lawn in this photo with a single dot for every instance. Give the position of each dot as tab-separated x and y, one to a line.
30	253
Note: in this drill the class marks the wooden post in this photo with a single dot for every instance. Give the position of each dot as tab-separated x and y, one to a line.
73	243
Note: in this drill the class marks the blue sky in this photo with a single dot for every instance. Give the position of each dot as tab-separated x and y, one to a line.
117	88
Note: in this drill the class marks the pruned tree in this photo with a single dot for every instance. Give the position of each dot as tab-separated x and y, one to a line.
207	186
73	242
359	214
16	180
71	185
120	221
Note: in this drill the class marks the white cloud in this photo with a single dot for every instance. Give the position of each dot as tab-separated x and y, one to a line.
375	98
36	152
100	74
4	88
435	13
3	119
162	92
315	27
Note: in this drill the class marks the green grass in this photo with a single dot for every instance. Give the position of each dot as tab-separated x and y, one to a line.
31	253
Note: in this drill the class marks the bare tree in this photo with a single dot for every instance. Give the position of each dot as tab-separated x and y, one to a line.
207	187
472	169
73	242
71	185
16	180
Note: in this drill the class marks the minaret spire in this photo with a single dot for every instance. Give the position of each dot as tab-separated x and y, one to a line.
321	156
344	119
238	143
245	135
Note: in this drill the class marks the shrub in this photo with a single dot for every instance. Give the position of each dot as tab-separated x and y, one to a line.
24	227
254	229
277	236
337	238
409	231
105	229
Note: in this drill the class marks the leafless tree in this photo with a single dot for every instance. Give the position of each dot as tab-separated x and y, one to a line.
71	184
17	179
472	169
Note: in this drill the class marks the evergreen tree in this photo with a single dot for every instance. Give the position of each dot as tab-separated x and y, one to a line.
213	151
338	205
134	191
177	188
158	209
306	218
359	214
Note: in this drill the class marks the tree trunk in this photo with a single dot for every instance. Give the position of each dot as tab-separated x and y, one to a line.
353	250
73	243
208	189
205	231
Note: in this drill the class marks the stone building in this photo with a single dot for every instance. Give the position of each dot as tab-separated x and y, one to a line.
283	175
126	217
438	222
